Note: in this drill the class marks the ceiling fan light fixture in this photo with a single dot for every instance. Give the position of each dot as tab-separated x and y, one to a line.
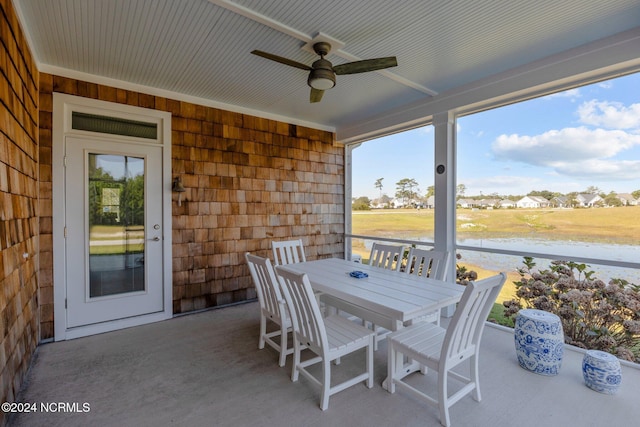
322	79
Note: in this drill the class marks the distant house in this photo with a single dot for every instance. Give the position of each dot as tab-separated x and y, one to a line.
627	199
383	202
467	203
506	203
533	202
379	204
560	202
397	203
401	203
430	203
586	200
415	203
489	203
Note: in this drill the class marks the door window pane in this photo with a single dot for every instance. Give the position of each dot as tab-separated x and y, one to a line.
116	224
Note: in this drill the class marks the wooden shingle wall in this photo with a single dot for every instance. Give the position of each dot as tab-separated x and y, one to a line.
248	181
19	320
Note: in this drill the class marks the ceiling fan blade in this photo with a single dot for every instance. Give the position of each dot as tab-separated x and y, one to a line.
316	95
365	65
281	60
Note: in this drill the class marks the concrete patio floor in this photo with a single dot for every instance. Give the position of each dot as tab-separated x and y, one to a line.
205	369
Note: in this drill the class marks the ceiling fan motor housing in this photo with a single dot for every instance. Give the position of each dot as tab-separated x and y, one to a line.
322	76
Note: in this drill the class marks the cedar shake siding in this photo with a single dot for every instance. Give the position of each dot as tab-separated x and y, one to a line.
248	181
19	221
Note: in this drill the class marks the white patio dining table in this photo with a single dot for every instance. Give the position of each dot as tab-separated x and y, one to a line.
386	298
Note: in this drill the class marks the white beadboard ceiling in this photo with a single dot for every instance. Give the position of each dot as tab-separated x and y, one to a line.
200	49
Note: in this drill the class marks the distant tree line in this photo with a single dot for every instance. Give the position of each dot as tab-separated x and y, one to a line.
407	191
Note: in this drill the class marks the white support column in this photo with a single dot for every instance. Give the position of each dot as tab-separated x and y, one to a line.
348	194
445	190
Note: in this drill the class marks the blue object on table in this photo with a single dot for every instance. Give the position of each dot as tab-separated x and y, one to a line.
358	274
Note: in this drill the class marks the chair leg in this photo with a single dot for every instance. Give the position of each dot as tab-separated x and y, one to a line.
370	363
443	401
283	346
326	384
474	378
296	359
375	337
263	331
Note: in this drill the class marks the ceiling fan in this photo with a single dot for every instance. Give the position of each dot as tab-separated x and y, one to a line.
322	74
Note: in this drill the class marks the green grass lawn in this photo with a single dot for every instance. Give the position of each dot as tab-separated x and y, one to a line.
605	225
497	315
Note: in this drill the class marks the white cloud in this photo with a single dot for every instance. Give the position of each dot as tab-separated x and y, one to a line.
606	170
611	115
606	84
578	152
568	144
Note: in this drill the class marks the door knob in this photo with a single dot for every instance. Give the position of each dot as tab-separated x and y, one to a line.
155	239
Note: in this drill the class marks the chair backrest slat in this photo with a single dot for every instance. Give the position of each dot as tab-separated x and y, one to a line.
427	263
288	252
465	329
266	283
305	312
386	256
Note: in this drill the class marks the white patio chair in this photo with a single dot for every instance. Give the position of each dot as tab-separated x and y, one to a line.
329	338
386	256
272	305
443	349
288	252
428	264
390	258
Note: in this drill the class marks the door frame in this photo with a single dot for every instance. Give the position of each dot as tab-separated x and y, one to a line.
63	106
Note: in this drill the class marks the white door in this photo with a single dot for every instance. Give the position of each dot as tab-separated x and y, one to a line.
114	226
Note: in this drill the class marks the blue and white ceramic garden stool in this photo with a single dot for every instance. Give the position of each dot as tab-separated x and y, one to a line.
601	371
539	340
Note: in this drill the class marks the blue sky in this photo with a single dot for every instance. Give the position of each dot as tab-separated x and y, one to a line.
569	141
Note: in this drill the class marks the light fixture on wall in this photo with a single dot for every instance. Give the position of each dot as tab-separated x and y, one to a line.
178	188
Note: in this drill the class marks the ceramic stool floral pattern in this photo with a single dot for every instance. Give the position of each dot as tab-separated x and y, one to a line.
539	340
601	371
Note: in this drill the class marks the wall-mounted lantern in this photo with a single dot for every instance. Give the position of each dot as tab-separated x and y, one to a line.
178	188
